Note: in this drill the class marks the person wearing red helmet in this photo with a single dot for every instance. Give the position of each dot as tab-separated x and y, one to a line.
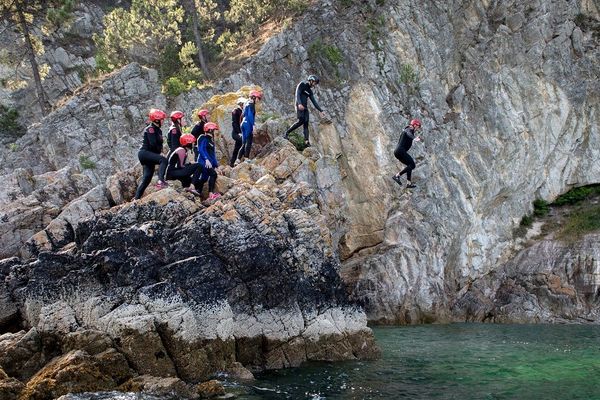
236	133
198	129
207	159
175	130
248	119
179	169
149	153
401	152
304	91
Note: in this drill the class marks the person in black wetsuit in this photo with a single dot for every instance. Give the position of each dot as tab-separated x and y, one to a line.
175	130
236	133
177	167
198	129
149	153
303	93
207	159
401	152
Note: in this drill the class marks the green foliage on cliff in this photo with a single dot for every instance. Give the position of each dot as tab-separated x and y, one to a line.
86	163
9	123
577	195
580	222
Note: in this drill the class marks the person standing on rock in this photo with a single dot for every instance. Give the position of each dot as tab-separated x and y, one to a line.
248	118
401	152
149	154
179	169
303	93
198	129
207	159
175	130
236	133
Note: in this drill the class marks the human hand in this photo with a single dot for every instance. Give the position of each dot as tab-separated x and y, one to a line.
300	107
208	164
418	139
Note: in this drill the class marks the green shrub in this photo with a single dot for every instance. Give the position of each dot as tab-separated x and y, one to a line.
297	140
13	147
9	122
576	195
408	75
540	208
174	87
86	163
526	221
580	223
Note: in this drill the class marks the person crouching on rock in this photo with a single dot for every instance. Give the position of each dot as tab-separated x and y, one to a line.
198	129
207	158
177	167
401	152
236	133
175	130
249	116
149	153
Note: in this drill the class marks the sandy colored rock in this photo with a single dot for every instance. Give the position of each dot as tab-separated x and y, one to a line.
210	389
158	386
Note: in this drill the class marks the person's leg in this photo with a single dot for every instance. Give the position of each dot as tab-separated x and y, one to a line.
212	180
248	145
146	178
305	127
236	148
292	128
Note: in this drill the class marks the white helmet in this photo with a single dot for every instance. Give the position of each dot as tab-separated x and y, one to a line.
240	100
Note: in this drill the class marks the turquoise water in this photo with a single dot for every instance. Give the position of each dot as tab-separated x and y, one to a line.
458	361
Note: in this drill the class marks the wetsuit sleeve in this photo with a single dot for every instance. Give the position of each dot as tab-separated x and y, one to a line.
314	101
203	151
410	133
236	120
249	112
299	94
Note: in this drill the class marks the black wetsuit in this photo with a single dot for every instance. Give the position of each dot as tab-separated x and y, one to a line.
303	93
401	152
197	131
177	168
149	156
236	134
173	137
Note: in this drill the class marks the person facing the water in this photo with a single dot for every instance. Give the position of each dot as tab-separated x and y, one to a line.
198	129
207	159
304	91
175	130
248	118
149	153
401	152
179	169
236	133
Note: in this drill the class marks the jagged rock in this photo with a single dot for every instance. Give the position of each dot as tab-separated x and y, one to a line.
21	354
237	371
159	386
91	341
210	389
9	387
76	372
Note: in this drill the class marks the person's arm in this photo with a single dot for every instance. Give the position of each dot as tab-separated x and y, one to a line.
311	96
298	94
181	155
203	156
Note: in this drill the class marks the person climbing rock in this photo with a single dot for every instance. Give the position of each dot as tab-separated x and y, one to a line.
175	130
236	133
198	129
247	126
303	93
208	160
149	153
179	169
401	152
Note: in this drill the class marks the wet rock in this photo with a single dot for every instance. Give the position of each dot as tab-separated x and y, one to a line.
159	386
210	389
237	371
21	354
9	387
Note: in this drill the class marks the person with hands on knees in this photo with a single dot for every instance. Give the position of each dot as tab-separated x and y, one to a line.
179	169
401	152
150	153
304	91
175	130
207	159
248	118
236	133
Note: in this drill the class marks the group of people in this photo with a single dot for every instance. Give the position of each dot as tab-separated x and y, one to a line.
201	142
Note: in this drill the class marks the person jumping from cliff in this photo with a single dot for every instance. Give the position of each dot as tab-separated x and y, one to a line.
175	130
401	152
208	160
150	153
179	169
303	93
236	133
198	129
247	126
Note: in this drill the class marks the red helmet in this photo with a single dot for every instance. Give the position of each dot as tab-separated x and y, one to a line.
203	113
415	122
186	139
257	94
156	114
175	115
211	126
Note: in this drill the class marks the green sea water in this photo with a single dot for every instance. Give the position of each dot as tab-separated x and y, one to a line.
457	361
